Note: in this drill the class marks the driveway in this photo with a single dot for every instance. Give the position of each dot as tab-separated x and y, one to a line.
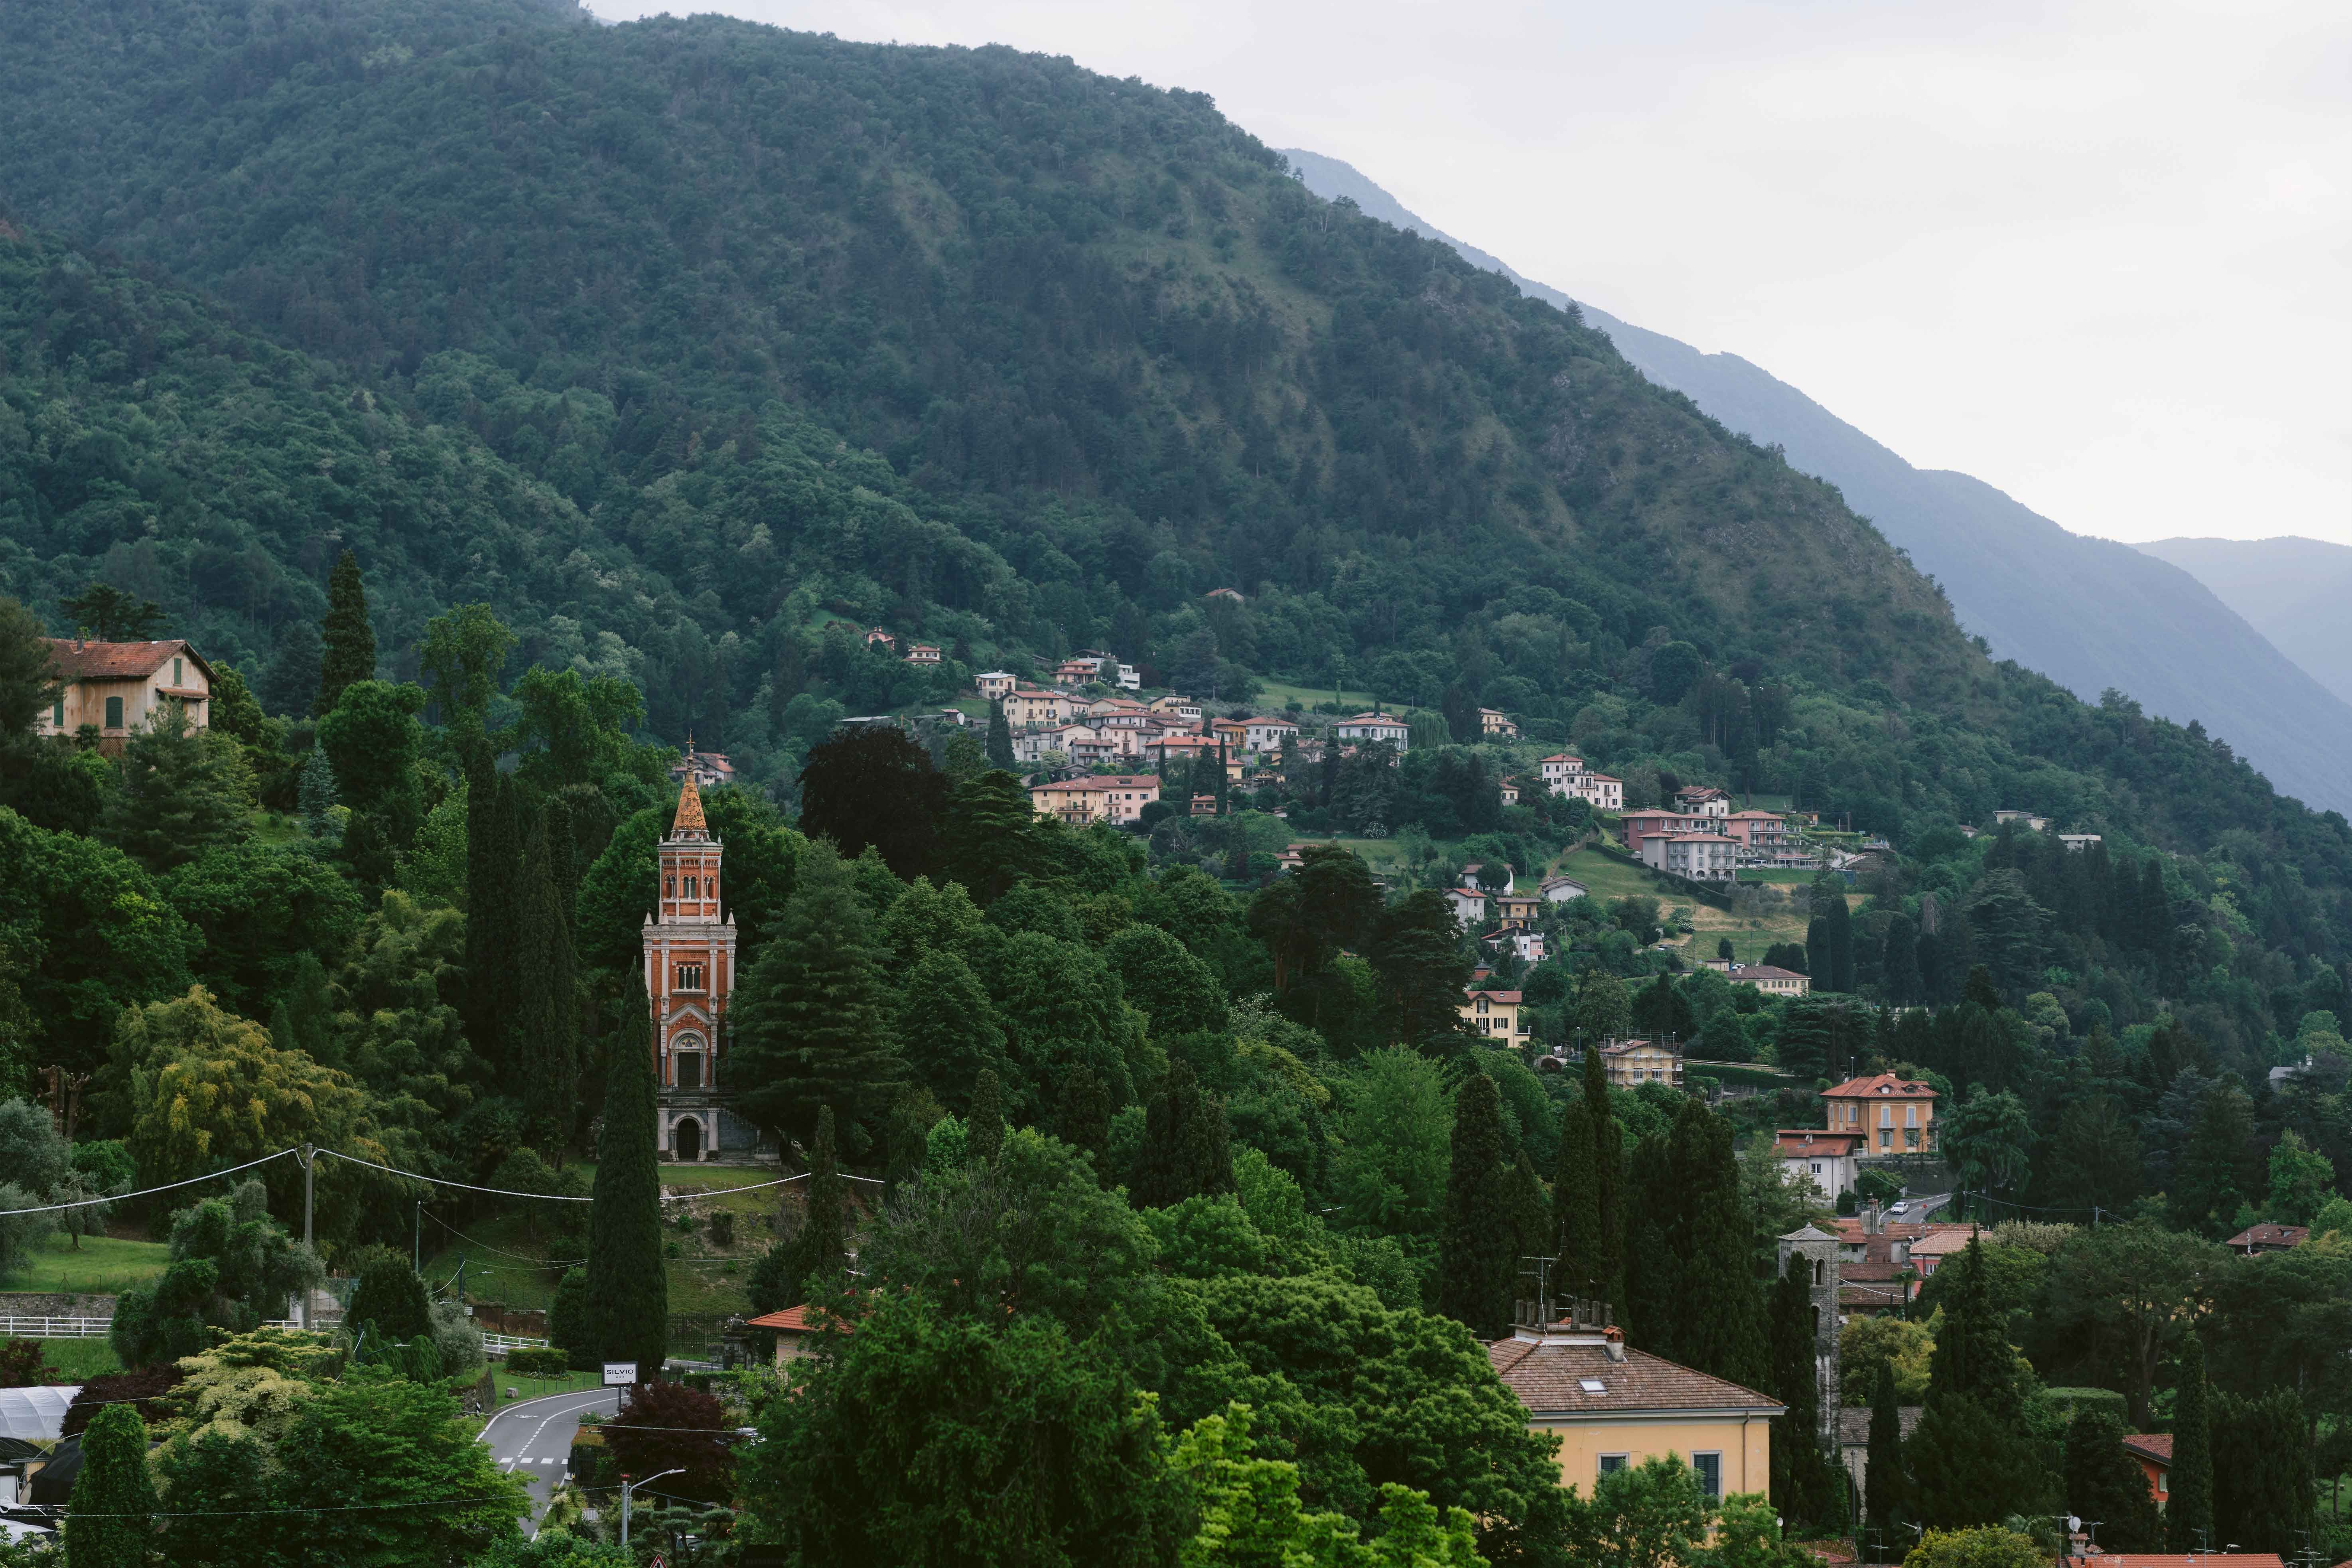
534	1437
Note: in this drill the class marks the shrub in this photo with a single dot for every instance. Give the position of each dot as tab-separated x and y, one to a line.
529	1361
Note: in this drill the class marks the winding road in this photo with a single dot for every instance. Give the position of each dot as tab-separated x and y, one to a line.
534	1437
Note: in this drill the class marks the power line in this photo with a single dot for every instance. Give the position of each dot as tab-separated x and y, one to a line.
168	1186
518	1257
568	1198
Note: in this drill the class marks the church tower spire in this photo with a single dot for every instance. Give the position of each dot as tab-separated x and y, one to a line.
689	959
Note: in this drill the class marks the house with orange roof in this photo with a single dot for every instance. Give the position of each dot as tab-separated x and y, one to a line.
922	653
1612	1406
2259	1238
120	688
1825	1159
1897	1115
1494	724
1942	1243
796	1330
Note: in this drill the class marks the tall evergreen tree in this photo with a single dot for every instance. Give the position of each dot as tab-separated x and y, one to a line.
347	637
984	1128
2189	1506
1885	1473
1576	1206
1803	1483
819	1251
1475	1269
627	1305
1608	1252
1721	1309
813	1018
545	1066
1186	1148
1000	737
1841	921
2106	1484
2262	1499
1417	954
1899	961
110	1518
1972	1354
1821	959
493	870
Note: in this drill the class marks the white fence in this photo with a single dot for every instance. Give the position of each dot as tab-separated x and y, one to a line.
499	1344
54	1328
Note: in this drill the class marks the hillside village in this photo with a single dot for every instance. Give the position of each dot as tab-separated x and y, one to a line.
775	803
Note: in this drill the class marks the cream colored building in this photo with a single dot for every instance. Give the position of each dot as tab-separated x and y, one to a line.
1611	1407
1496	1015
1118	799
120	688
1631	1062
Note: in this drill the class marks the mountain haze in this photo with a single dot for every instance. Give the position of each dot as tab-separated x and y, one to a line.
2296	591
2091	613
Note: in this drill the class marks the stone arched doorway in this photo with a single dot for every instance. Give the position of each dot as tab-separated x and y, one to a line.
689	1139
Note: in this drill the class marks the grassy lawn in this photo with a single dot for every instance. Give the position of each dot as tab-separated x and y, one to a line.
105	1265
502	1262
1272	694
79	1360
539	1387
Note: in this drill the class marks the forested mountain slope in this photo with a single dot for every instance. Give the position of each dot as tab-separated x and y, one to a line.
2091	613
746	328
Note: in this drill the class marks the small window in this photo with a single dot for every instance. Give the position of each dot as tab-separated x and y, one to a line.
669	887
1710	1467
178	679
114	713
57	713
1612	1463
1592	1386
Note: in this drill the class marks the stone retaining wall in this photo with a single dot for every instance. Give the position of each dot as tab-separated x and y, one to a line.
37	1304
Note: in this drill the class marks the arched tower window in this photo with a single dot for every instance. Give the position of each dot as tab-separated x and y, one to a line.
1817	1275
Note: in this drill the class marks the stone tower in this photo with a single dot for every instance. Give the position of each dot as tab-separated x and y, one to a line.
690	952
1820	1249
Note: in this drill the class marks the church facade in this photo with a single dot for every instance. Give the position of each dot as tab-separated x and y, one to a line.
690	973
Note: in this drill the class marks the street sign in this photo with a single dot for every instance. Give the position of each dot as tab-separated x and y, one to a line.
657	1561
620	1374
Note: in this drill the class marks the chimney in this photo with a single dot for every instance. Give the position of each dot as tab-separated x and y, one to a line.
1870	1219
1613	1342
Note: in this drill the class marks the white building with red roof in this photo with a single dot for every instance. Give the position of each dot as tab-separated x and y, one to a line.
120	688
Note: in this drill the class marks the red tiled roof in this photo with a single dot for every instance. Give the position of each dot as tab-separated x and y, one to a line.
1872	1273
2271	1236
1803	1142
801	1320
1763	972
1944	1239
2174	1560
2156	1446
1508	998
118	660
1551	1379
1884	1083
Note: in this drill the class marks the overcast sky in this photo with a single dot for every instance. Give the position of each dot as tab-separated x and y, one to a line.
2099	256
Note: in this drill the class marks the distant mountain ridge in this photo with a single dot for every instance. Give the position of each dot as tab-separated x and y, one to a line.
2296	591
2091	613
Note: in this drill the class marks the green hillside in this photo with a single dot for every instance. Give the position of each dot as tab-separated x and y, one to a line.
711	329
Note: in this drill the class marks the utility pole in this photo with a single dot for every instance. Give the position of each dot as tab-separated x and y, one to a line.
310	1165
416	1248
627	1487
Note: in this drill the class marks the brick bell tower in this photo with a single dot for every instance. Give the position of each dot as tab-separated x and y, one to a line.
690	975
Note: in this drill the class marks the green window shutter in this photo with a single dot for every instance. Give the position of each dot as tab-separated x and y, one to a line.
114	713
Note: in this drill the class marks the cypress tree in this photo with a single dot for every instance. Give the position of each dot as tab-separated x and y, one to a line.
1883	1471
493	867
627	1306
2106	1484
813	1018
1972	1354
2189	1508
1840	940
984	1128
1084	1121
1899	961
817	1252
545	1070
1820	961
391	1297
347	637
110	1518
1576	1206
1808	1485
2263	1499
1000	736
1721	1309
1475	1266
1186	1146
1608	1254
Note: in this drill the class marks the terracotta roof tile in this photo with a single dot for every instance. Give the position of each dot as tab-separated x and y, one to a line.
689	810
2156	1446
1551	1379
117	661
1886	1082
2171	1559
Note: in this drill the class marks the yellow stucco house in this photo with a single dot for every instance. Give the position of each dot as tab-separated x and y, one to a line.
1612	1406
